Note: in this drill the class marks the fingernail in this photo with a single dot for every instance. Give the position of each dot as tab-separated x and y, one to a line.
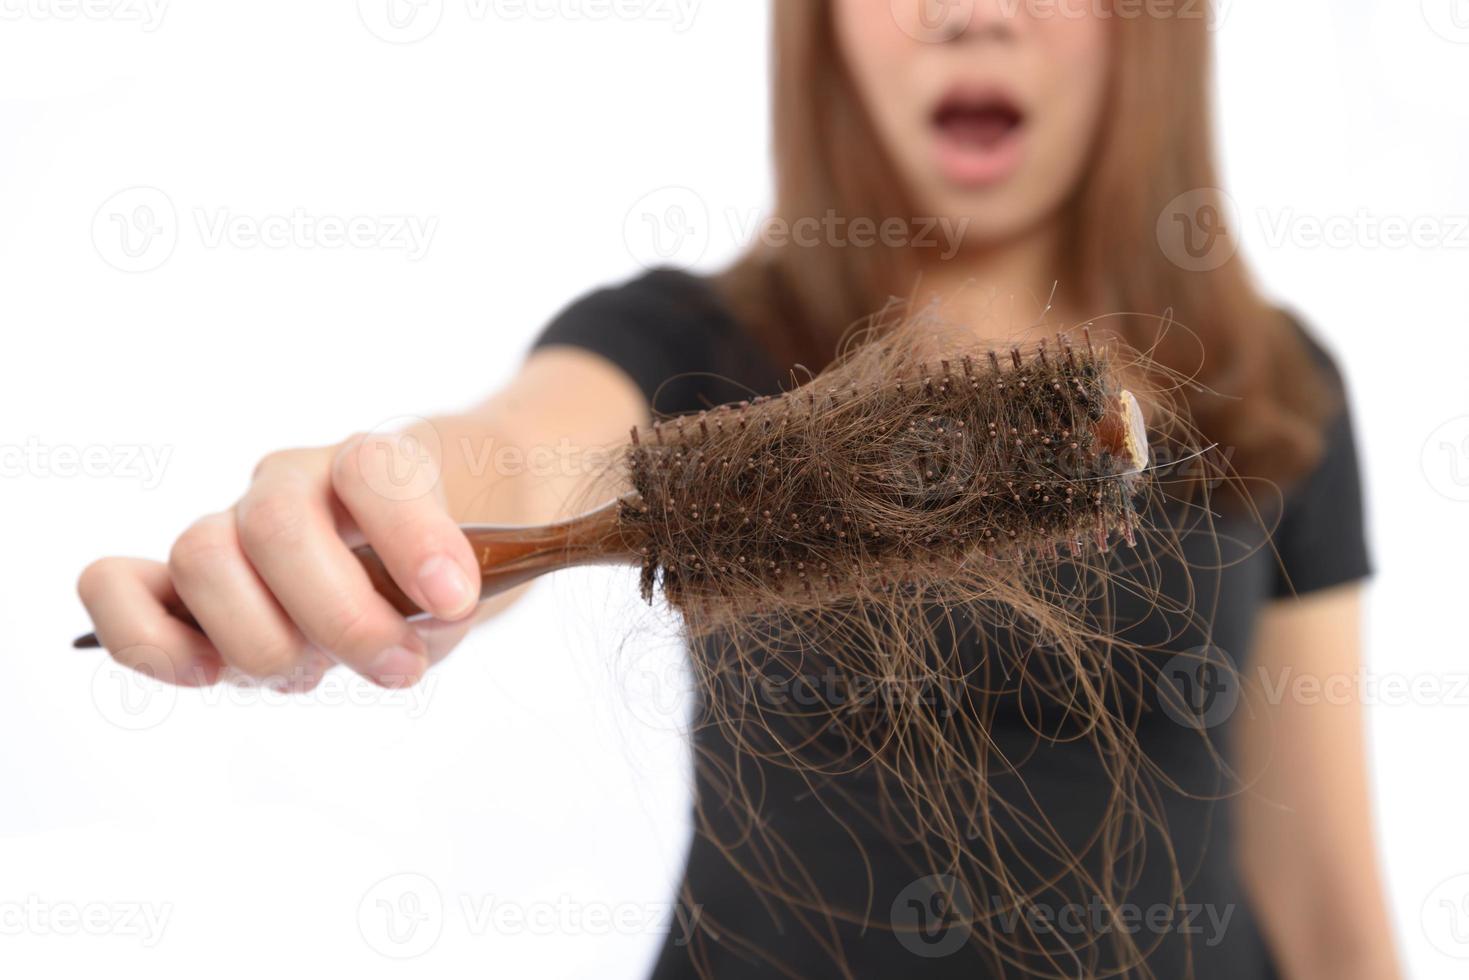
445	587
398	667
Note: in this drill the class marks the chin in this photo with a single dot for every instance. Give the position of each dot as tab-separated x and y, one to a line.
987	223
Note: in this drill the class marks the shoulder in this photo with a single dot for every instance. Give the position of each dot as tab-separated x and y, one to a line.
672	333
657	292
1324	360
1321	535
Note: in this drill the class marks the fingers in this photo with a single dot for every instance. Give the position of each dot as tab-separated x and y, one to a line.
125	598
441	638
274	587
389	485
231	603
287	531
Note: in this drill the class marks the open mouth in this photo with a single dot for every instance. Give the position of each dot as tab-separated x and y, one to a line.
978	136
981	123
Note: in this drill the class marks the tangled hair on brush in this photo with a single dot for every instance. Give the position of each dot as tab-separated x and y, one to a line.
918	459
923	488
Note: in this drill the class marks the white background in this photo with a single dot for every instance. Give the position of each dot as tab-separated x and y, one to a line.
540	771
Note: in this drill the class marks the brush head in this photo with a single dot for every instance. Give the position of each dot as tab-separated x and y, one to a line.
917	459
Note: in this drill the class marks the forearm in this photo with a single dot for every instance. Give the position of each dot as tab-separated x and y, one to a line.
1320	906
1306	843
539	450
482	470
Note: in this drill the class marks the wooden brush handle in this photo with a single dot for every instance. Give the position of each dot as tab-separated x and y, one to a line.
507	557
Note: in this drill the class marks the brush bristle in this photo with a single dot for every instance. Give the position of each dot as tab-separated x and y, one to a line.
910	460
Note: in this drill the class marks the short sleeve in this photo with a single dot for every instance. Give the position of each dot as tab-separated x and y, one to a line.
1321	540
669	332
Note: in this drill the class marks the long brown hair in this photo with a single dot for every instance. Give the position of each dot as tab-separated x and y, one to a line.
1257	392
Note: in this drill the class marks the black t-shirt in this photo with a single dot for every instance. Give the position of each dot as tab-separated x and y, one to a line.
672	336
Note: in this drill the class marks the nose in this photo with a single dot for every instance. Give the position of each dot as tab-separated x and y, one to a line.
954	20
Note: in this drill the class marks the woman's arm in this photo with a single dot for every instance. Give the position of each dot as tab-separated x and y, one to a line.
272	580
530	452
1307	850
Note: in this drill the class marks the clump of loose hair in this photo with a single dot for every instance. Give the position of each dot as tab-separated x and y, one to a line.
924	489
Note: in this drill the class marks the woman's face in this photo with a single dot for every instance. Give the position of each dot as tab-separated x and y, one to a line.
988	108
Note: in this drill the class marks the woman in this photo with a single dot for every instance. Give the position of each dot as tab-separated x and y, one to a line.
1069	142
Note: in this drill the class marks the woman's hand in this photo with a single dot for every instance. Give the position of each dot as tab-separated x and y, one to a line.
273	583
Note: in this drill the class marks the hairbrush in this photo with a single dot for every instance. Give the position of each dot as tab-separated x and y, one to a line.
913	457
